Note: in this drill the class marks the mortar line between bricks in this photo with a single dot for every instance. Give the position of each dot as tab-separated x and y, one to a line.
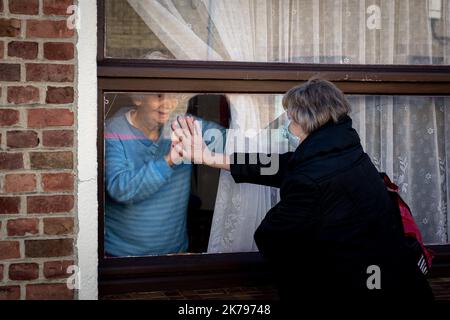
40	260
5	7
26	83
36	17
16	60
43	40
36	106
41	8
39	238
37	148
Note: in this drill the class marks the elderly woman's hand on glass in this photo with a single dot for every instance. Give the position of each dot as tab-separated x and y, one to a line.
187	140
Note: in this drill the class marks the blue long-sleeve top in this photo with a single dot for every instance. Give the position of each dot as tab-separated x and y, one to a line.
146	199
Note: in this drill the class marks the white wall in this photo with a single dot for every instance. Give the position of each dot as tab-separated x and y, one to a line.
86	245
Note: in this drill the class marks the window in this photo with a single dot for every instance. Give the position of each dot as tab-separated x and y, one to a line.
397	92
351	32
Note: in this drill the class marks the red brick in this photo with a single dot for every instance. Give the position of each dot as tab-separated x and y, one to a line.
24	6
23	95
50	204
8	117
11	161
10	27
59	95
9	72
22	227
23	271
22	139
48	248
22	49
1	272
57	182
20	182
57	7
9	205
2	48
48	29
50	72
57	138
59	51
55	291
51	160
58	226
9	293
9	250
57	269
38	118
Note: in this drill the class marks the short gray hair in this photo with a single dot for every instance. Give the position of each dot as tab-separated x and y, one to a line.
315	103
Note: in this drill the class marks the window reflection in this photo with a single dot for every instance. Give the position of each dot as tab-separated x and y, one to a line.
298	31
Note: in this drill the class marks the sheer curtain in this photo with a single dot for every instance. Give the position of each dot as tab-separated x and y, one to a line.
408	137
240	208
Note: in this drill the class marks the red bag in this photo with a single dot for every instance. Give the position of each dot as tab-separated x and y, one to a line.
412	233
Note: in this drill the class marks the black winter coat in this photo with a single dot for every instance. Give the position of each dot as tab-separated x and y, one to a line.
335	219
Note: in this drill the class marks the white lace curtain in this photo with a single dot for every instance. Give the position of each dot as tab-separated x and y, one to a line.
408	137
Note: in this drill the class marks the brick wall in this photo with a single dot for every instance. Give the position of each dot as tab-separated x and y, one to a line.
37	150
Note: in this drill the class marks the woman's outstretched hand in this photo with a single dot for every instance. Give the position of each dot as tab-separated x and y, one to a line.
187	140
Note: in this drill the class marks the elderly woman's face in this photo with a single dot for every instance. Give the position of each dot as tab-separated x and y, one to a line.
156	108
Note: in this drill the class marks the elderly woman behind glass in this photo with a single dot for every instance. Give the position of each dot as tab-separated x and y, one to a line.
147	186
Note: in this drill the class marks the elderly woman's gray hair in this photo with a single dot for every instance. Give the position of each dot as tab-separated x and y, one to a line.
315	103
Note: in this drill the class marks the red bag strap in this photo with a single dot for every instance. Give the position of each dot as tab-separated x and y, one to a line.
389	184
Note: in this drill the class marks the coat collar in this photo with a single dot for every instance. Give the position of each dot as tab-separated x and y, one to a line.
330	138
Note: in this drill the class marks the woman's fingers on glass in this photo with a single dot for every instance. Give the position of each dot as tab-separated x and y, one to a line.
178	148
188	138
177	132
173	157
197	128
187	145
184	126
194	127
175	136
176	153
174	125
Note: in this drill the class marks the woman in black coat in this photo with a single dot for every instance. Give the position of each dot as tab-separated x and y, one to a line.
336	233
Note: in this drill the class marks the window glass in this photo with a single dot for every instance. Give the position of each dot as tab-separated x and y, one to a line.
409	138
154	209
297	31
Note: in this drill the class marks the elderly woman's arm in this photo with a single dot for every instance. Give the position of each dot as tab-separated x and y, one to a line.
127	184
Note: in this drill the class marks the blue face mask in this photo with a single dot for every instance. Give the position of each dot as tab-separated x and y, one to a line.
293	140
